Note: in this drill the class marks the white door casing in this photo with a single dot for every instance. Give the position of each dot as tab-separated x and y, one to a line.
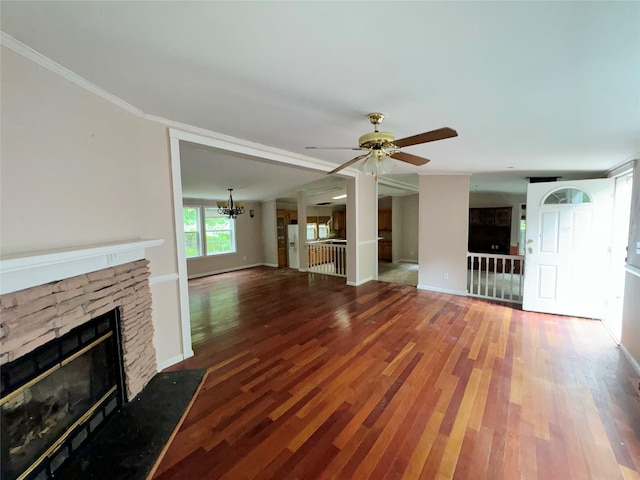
568	248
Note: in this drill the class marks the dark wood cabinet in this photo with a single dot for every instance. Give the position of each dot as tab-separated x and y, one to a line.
490	230
384	250
384	220
282	240
284	218
339	224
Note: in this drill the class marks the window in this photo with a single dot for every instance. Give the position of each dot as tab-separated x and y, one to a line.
218	235
219	232
192	235
323	231
311	231
567	196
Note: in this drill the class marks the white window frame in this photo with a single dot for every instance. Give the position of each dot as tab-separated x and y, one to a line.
314	227
202	231
232	223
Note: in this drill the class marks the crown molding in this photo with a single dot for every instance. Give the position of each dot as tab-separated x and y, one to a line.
221	140
624	168
389	182
38	58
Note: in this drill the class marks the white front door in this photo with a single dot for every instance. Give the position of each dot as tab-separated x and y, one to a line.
567	248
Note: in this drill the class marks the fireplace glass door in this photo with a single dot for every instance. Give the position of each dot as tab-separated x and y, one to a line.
54	397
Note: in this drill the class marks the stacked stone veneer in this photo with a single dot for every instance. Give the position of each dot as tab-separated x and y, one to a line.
32	317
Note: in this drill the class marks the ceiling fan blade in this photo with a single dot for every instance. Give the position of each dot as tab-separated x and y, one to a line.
412	159
334	148
432	136
350	162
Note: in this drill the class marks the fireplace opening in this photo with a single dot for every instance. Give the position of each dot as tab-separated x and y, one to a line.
55	397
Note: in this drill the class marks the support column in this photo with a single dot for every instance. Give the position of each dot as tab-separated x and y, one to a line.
443	233
362	229
269	234
303	258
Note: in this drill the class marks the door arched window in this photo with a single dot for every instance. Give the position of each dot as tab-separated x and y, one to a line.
567	196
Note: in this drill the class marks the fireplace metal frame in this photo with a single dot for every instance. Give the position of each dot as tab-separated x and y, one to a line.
50	357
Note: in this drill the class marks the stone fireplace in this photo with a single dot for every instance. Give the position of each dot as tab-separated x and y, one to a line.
33	319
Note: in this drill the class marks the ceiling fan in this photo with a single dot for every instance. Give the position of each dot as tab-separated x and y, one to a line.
381	147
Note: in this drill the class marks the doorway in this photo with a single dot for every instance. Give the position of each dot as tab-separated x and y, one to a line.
267	167
567	247
575	247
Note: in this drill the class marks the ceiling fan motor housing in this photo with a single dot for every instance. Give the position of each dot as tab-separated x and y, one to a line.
377	140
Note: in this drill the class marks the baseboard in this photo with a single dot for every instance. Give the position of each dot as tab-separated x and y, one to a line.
272	265
225	270
613	337
442	290
634	363
405	260
172	361
361	282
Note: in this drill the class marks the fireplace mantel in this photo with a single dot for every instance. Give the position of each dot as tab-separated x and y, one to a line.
26	270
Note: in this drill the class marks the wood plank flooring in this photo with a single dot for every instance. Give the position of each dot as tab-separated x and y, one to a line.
311	379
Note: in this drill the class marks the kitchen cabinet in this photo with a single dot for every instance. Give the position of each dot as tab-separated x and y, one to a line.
284	218
339	224
384	220
282	240
384	251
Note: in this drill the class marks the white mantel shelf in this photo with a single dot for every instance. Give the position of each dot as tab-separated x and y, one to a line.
26	270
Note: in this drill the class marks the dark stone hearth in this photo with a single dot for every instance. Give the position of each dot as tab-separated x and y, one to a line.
128	445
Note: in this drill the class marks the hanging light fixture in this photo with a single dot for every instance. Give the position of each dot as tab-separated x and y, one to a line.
377	163
231	209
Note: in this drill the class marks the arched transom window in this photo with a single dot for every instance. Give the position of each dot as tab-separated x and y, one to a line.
566	196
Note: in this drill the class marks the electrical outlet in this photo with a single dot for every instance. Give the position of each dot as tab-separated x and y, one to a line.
244	258
445	275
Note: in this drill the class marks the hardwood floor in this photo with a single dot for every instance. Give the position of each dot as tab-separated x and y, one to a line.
311	379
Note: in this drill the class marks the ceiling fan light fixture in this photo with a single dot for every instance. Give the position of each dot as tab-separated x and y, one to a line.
378	163
370	165
386	163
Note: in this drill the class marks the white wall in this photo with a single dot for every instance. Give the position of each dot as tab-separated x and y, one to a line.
249	248
409	229
77	170
444	224
479	199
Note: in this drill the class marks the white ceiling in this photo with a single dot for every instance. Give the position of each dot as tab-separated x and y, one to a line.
532	88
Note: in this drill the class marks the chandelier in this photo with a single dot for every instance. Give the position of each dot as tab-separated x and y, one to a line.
231	209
